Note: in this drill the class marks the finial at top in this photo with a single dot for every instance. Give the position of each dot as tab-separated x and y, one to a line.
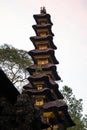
43	10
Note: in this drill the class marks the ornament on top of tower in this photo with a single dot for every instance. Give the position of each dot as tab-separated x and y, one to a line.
43	10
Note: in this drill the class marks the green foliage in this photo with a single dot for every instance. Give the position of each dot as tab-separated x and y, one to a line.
38	69
75	108
11	54
85	121
20	116
14	63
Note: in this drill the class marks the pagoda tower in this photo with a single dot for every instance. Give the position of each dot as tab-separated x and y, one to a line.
43	76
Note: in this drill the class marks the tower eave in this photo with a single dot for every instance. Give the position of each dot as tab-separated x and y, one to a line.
41	16
40	39
42	27
44	92
45	68
48	82
45	52
60	107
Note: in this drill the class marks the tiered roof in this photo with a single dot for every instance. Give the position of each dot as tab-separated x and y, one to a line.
43	29
42	54
49	69
48	83
61	112
43	74
47	40
42	17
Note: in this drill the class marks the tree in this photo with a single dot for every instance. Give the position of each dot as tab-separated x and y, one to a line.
24	107
85	121
75	108
23	115
14	62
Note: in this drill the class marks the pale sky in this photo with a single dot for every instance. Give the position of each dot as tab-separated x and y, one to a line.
69	19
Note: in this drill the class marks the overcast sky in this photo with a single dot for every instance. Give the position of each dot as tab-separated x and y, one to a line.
69	19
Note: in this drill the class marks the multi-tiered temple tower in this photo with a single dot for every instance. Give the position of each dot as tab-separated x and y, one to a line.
43	76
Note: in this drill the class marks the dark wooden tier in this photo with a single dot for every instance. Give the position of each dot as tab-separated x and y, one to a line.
7	89
42	77
45	92
49	69
46	82
48	39
43	54
55	105
61	112
42	17
43	29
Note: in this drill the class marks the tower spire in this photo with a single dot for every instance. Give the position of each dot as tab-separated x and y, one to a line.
43	10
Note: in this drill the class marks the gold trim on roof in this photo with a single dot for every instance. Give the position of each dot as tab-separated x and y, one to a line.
42	42
41	56
39	82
